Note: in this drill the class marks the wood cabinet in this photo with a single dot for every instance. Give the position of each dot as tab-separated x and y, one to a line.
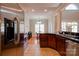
21	37
60	45
43	40
72	48
53	41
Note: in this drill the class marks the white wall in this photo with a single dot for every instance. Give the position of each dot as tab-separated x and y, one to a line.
26	22
51	23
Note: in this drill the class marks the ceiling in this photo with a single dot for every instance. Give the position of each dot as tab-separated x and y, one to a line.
37	10
11	10
39	6
70	15
30	5
11	6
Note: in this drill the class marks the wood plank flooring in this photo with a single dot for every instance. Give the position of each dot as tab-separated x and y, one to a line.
30	48
33	49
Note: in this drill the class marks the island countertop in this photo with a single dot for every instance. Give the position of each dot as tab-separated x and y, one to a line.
68	37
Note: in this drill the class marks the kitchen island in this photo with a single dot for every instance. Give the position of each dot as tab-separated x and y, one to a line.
61	43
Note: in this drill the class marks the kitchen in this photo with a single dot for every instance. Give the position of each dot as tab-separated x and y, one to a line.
55	23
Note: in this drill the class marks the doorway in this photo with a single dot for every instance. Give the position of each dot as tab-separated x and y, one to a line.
37	26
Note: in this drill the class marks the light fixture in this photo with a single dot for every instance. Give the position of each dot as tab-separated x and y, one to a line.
39	22
45	10
33	10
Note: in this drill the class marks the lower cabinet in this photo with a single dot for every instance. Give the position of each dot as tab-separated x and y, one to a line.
43	40
53	41
61	45
72	48
43	43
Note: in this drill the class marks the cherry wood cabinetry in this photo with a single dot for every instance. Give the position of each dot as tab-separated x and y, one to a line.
43	40
53	41
21	37
60	45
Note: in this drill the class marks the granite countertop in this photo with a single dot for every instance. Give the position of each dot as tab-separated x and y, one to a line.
69	37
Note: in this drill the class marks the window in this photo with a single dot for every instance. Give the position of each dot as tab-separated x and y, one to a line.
71	7
74	27
15	26
39	28
21	27
63	28
69	26
2	27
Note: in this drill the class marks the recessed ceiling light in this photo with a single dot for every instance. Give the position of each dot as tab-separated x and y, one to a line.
33	10
45	10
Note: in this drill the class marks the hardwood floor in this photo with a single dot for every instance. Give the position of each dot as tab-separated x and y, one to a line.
13	52
31	48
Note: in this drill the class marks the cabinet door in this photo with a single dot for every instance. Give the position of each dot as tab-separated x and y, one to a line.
61	46
49	41
43	43
43	40
52	42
